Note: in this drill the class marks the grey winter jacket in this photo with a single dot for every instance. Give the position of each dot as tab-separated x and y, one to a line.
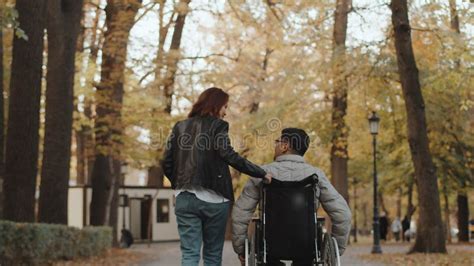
291	167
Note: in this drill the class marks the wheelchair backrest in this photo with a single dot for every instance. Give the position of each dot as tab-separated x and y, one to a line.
289	218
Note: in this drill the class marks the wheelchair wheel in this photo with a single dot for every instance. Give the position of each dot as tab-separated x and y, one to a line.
252	251
330	251
247	257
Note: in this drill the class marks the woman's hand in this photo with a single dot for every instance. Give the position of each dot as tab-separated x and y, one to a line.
268	178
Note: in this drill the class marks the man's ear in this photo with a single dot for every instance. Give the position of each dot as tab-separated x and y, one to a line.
286	148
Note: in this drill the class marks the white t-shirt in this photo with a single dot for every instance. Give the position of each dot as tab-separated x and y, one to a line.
203	194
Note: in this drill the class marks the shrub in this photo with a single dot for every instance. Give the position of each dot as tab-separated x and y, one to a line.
36	243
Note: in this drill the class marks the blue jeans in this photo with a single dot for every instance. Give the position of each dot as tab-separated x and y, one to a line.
200	221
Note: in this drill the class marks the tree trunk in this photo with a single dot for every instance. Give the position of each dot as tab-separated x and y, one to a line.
81	164
100	189
84	136
430	236
399	203
410	206
164	29
120	17
339	155
82	29
21	156
63	29
255	105
2	121
96	41
84	148
462	199
463	217
382	204
173	56
155	173
355	196
77	136
447	224
365	224
454	16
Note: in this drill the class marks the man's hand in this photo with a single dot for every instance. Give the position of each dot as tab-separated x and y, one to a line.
268	178
242	260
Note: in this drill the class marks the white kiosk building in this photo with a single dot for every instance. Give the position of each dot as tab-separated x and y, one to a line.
138	205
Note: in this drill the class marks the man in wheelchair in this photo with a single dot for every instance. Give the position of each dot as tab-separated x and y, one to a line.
287	227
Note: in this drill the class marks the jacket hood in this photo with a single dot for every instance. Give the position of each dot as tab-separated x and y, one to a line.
290	167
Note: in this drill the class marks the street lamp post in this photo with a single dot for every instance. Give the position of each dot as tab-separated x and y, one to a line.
374	130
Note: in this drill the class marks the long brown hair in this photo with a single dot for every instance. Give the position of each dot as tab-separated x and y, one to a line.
209	102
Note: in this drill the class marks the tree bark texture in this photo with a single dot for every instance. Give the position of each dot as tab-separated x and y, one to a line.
63	29
120	17
339	155
21	155
462	198
2	129
430	235
155	173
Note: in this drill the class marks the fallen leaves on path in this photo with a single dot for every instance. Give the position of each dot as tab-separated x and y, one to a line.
455	257
114	256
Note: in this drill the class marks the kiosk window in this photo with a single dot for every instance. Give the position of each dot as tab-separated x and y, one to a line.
162	211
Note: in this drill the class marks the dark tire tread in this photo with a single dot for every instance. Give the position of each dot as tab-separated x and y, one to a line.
329	251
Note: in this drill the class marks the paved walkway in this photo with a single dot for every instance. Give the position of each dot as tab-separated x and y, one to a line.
168	254
351	256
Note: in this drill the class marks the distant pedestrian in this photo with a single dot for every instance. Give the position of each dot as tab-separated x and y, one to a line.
406	228
412	229
126	240
383	222
396	228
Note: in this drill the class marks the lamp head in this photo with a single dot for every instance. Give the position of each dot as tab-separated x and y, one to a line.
374	123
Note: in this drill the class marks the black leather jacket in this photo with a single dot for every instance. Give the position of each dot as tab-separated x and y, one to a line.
198	152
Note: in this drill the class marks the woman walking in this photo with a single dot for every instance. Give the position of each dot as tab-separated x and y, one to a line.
196	160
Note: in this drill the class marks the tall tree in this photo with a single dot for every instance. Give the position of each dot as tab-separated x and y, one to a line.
63	28
410	206
2	121
84	134
120	17
77	136
21	155
461	199
430	235
354	210
171	60
255	104
454	18
463	214
155	172
447	223
339	155
173	56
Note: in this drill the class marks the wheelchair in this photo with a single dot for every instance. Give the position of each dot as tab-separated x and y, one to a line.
288	229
